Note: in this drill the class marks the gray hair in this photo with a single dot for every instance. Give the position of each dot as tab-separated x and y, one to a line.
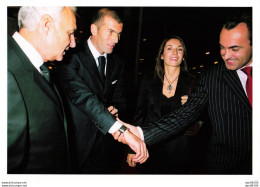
29	16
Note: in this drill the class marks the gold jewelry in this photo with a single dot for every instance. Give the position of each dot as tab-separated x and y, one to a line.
169	87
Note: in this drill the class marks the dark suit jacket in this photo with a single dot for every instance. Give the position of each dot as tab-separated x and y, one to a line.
87	100
36	135
220	90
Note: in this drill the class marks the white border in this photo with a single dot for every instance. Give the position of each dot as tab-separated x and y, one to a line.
130	180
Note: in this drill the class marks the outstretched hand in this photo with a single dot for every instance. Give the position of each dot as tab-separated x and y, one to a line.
132	129
138	146
184	99
134	142
113	111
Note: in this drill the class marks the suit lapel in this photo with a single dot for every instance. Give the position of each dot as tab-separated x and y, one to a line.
109	72
157	95
33	74
91	66
48	90
232	80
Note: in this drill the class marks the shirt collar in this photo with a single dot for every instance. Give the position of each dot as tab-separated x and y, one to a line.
94	51
29	51
250	65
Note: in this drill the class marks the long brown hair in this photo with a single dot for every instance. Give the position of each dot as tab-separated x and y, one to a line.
159	67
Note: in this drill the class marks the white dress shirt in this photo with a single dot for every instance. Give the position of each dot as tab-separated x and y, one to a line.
29	51
95	53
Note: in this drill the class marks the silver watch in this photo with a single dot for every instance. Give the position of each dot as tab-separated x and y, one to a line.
122	129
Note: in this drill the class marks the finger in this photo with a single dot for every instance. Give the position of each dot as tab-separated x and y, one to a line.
139	157
132	163
138	146
110	108
116	135
114	111
184	97
129	160
144	156
133	142
120	138
135	148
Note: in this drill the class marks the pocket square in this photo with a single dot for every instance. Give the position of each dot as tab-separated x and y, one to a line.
114	82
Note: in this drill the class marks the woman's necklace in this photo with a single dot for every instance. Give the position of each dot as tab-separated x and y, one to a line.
169	87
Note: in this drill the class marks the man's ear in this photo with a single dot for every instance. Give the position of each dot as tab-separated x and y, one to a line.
93	29
47	23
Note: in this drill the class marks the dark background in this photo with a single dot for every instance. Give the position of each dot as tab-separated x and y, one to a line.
146	27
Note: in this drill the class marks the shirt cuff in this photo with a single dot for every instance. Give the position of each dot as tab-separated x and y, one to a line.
115	127
141	133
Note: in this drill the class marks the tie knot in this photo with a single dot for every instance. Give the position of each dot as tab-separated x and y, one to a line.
44	68
102	60
247	71
45	72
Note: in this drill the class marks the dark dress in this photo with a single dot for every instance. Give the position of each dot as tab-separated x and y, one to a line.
174	155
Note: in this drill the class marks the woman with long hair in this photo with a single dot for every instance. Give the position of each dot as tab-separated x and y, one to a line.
160	94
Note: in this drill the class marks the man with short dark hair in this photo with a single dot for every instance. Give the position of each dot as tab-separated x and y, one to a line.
92	81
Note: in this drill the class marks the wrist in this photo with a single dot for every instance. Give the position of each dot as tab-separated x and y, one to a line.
122	129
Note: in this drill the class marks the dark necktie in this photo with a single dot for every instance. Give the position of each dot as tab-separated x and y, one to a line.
101	67
46	72
248	72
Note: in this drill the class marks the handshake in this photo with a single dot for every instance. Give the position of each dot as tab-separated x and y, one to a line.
132	137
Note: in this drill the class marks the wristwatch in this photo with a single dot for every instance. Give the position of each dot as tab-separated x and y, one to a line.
122	129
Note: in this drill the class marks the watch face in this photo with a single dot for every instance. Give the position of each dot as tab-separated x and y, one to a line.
122	129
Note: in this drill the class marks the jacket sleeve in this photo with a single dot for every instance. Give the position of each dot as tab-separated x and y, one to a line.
178	120
82	96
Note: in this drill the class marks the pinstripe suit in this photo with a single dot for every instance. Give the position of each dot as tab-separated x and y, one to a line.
87	101
230	148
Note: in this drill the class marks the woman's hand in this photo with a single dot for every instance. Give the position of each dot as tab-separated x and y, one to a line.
184	99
